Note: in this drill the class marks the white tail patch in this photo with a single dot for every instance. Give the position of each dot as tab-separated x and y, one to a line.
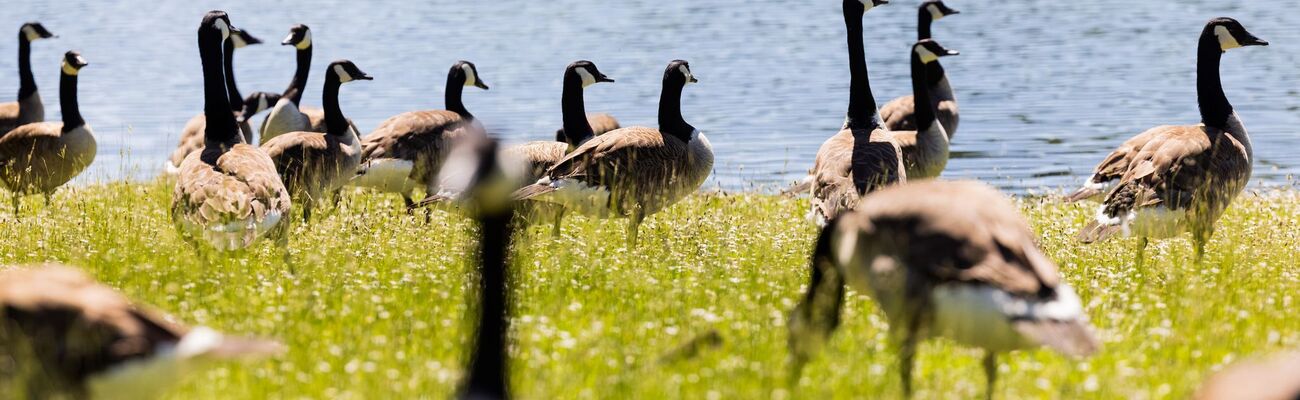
1226	40
984	316
387	175
1151	222
578	196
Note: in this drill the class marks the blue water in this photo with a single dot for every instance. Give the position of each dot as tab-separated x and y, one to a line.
1046	87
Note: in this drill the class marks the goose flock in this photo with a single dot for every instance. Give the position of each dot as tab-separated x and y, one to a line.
943	259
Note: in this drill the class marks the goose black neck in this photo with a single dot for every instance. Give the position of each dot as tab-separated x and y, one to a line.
68	102
221	126
924	110
27	86
1215	109
923	21
487	372
934	72
300	76
670	109
335	122
862	104
576	127
232	91
456	86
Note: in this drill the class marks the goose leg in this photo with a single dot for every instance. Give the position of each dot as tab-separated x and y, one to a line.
559	221
1142	251
990	373
409	203
634	228
48	199
17	202
1199	237
306	212
906	359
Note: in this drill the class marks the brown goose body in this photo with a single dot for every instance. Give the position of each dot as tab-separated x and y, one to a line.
850	164
84	340
1273	379
942	259
898	114
538	156
40	157
925	154
27	110
312	164
231	202
407	151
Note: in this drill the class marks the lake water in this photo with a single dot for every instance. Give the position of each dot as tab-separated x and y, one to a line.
1046	87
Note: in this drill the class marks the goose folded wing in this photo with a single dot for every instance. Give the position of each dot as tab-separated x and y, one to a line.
415	134
641	152
242	184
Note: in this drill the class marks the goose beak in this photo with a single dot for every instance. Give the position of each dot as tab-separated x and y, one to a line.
1251	40
604	78
693	80
366	77
953	53
288	40
478	83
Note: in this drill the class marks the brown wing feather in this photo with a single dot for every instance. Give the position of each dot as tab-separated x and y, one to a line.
423	137
537	157
897	114
243	183
602	123
850	164
8	116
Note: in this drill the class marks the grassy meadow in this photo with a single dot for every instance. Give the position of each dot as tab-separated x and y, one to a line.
377	302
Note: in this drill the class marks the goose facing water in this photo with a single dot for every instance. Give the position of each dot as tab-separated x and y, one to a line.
28	108
42	156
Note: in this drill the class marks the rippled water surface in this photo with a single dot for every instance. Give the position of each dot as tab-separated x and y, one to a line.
1046	87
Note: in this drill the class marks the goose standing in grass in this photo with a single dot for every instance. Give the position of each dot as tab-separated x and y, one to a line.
632	172
41	156
71	337
407	150
925	150
863	156
942	259
288	114
898	113
192	134
28	108
311	163
1177	178
228	195
1277	378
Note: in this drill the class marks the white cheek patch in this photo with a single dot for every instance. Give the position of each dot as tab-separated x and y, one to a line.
31	33
69	69
687	72
343	74
224	28
306	41
867	5
261	104
587	78
470	77
935	13
238	41
926	55
1226	40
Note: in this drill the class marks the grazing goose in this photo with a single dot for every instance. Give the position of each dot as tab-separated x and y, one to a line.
633	172
1170	178
41	156
288	114
28	108
74	338
229	194
407	150
314	163
942	259
925	150
863	156
897	113
192	135
1277	378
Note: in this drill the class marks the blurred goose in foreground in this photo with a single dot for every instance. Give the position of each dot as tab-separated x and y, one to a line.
925	150
863	156
898	113
311	163
942	259
407	150
632	172
228	195
71	337
41	156
288	114
1277	378
192	134
28	108
1172	179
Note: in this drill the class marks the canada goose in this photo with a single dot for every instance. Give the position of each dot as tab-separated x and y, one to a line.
288	114
71	337
863	156
313	163
1171	179
28	108
1277	378
41	156
229	194
578	126
897	113
192	134
925	150
941	259
599	122
407	150
633	172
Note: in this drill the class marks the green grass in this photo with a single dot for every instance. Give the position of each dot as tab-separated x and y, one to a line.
377	306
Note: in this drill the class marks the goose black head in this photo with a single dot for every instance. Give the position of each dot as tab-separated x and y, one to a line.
258	102
587	71
73	62
679	69
929	50
219	21
299	37
347	71
862	5
241	38
937	9
1232	35
33	31
467	70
